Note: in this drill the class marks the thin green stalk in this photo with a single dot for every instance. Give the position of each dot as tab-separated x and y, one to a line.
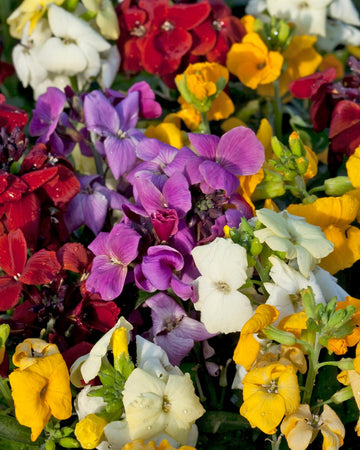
278	111
312	372
275	441
205	126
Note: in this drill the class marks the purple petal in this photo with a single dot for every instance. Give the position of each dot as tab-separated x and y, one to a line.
123	243
178	164
95	207
148	149
204	144
100	116
177	194
142	282
194	329
73	216
175	347
164	310
149	108
99	245
182	290
149	195
240	152
106	278
120	154
46	114
128	111
218	177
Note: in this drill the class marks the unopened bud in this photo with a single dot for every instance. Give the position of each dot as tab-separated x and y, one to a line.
283	337
341	396
296	146
338	186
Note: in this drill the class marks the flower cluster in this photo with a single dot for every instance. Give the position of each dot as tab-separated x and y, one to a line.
179	224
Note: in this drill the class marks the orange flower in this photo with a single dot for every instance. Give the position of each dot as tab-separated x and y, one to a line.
253	63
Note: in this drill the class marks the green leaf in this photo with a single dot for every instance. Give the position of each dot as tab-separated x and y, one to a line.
14	436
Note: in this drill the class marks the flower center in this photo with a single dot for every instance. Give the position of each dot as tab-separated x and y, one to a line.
17	276
272	387
167	26
166	404
222	286
218	25
120	134
303	5
138	30
260	66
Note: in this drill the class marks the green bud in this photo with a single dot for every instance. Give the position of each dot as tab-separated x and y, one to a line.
337	186
309	199
308	299
296	146
346	364
50	445
69	443
283	34
256	247
302	165
270	187
277	147
283	337
70	5
341	396
4	334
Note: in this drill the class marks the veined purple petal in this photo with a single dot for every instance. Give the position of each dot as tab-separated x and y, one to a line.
204	144
181	289
149	195
177	194
240	151
128	111
175	347
218	178
99	245
194	329
149	107
46	114
73	216
148	149
106	278
120	154
100	116
123	243
95	207
178	164
164	310
142	282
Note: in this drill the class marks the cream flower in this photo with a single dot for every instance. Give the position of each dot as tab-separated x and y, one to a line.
301	428
153	406
295	237
222	265
106	18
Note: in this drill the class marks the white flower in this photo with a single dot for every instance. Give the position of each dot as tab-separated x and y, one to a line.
222	265
338	33
285	291
294	236
106	18
85	404
52	80
25	56
75	46
91	366
345	11
153	406
153	359
309	16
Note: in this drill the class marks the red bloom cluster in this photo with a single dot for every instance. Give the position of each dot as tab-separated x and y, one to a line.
162	39
335	106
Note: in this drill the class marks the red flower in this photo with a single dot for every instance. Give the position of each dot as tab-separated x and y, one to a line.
159	33
214	37
40	268
11	116
6	69
345	127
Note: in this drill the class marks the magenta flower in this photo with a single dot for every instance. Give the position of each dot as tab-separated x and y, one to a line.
113	251
222	160
173	330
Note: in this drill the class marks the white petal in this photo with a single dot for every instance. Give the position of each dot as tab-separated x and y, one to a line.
329	285
59	81
110	62
66	25
60	58
345	11
92	59
85	404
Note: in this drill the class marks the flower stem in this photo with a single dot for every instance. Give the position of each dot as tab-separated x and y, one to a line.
5	392
204	126
312	372
275	441
278	111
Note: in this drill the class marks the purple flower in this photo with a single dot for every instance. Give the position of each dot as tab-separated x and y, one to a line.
50	123
117	126
149	107
113	251
222	160
173	330
157	271
91	204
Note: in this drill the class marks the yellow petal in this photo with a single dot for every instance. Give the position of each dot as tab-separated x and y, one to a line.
264	134
89	431
353	168
222	107
166	132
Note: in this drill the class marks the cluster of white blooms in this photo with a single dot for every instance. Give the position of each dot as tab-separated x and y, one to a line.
61	47
333	21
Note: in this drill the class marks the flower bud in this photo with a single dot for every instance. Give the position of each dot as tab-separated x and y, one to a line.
296	146
283	337
89	431
302	164
341	396
346	364
277	147
338	186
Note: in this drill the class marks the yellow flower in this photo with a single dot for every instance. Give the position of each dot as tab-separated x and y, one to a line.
295	323
248	22
253	63
352	378
29	10
248	347
138	444
30	350
334	215
330	60
301	428
269	393
41	390
301	59
89	431
166	132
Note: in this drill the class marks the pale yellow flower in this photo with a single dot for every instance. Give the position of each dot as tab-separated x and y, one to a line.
105	19
302	427
89	431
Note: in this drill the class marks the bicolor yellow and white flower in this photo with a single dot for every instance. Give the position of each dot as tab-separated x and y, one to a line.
223	268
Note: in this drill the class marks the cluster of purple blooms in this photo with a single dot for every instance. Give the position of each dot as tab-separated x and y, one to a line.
165	201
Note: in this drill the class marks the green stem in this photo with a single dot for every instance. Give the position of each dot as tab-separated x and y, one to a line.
264	276
205	126
312	372
317	189
278	111
275	441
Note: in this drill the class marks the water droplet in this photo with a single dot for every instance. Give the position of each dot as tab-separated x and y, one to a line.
185	411
149	427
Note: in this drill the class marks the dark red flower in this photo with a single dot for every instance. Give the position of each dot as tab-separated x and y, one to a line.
11	116
214	36
345	127
40	268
